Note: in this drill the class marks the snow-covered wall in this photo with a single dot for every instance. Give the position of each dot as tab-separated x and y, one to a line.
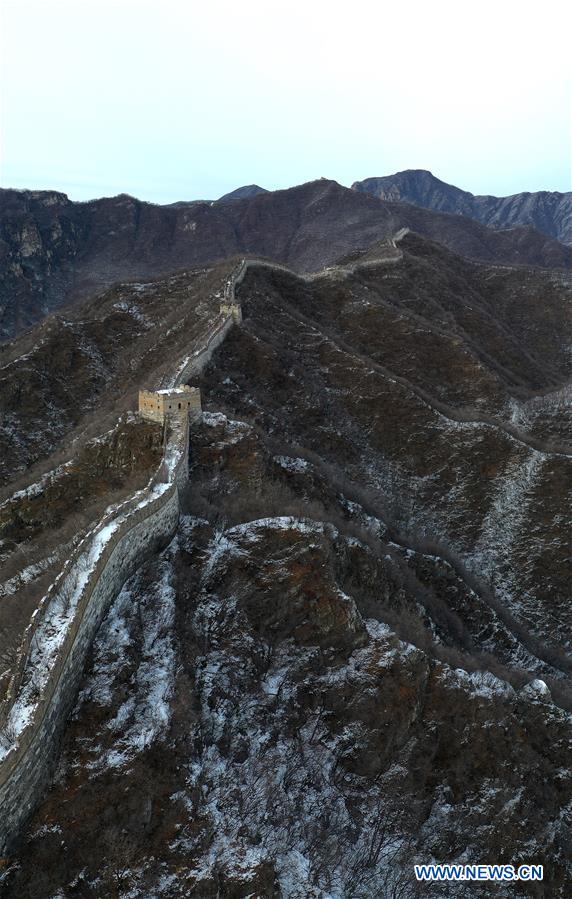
32	722
24	771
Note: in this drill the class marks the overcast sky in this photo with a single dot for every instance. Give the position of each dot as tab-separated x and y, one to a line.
170	100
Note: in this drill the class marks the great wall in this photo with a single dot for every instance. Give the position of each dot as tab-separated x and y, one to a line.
34	712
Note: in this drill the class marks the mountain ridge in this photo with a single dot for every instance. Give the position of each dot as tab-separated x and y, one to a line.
54	252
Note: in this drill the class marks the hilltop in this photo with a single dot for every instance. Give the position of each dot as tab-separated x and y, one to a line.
249	190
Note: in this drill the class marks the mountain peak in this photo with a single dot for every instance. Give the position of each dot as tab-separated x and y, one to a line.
548	212
407	185
241	193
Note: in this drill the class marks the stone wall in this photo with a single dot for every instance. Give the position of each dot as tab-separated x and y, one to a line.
149	406
233	310
202	355
230	314
148	526
25	773
389	254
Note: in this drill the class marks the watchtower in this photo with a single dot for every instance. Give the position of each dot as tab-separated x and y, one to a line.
157	405
232	309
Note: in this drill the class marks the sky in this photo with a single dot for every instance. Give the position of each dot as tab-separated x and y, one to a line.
169	100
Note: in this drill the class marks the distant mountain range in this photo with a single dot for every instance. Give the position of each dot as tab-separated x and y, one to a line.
54	251
547	211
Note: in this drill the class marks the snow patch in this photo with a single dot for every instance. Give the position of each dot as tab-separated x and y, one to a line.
290	463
